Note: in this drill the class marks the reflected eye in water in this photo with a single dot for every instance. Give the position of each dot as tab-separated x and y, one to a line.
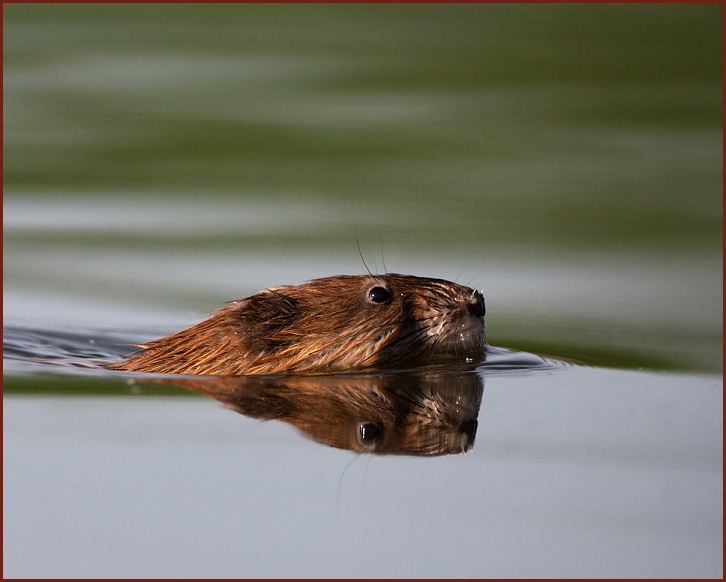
369	434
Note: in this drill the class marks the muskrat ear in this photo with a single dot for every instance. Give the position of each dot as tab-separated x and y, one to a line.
269	311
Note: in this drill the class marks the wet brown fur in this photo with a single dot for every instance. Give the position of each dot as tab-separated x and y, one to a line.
327	324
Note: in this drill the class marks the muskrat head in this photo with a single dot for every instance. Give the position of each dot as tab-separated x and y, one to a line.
349	322
329	324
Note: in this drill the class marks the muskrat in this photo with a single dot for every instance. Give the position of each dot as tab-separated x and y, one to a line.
325	325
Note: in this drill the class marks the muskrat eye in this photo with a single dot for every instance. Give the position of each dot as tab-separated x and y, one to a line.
379	294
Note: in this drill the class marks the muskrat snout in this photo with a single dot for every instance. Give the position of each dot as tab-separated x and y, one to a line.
476	305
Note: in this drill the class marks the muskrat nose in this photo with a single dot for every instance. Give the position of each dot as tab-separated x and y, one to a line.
476	304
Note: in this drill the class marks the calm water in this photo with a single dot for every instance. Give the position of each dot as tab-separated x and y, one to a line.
565	160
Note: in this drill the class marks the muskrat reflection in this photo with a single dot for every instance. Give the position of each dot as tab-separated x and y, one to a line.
394	413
